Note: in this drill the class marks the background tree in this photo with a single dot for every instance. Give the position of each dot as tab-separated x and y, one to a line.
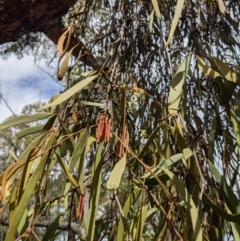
147	138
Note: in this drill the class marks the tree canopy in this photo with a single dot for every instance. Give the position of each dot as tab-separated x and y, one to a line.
145	139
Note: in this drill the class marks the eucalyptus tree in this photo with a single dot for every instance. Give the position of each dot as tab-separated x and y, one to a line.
147	135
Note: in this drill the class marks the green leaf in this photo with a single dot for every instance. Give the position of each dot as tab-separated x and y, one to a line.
226	72
49	123
219	68
66	191
126	208
12	202
220	212
156	8
148	143
66	172
26	172
211	138
23	223
151	18
28	192
150	213
227	92
89	73
237	106
92	103
116	174
29	131
235	228
23	119
32	145
70	92
179	140
177	14
94	193
236	128
16	167
164	164
187	152
203	20
79	149
206	69
191	208
141	221
177	86
231	199
50	233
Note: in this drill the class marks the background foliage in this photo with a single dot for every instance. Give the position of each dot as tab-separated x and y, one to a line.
143	147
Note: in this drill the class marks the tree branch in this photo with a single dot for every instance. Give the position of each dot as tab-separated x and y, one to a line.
64	226
22	17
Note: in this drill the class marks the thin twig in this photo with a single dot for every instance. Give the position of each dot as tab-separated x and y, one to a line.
204	182
6	103
119	204
167	49
159	205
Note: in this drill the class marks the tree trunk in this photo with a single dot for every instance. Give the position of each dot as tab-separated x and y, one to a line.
19	17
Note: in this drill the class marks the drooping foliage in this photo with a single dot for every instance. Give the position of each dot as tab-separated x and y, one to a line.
148	141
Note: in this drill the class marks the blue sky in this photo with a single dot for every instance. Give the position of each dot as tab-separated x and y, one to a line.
24	83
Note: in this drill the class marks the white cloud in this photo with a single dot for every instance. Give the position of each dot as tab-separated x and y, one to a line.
23	83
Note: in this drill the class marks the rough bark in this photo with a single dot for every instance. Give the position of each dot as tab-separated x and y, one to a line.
19	17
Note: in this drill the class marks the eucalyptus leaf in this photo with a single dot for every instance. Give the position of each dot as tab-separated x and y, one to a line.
22	119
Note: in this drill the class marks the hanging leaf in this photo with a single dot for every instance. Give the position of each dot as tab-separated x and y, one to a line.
231	199
28	191
219	68
61	41
235	227
236	128
116	174
141	222
156	8
187	153
29	131
221	6
226	72
94	194
178	11
151	17
206	69
179	140
176	87
79	149
50	233
69	176
164	164
220	212
227	93
126	209
203	20
101	105
237	106
12	171
22	119
70	92
64	66
148	143
211	139
191	208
